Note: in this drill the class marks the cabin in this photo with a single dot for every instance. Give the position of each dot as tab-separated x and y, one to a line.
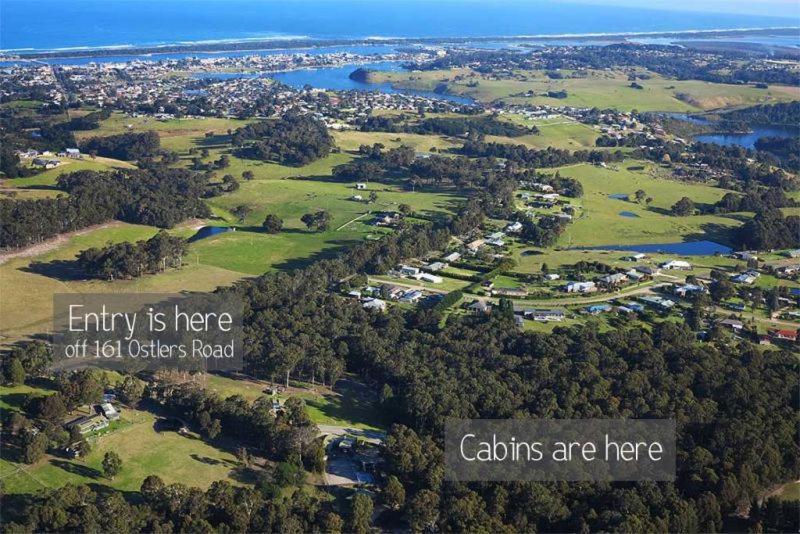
436	266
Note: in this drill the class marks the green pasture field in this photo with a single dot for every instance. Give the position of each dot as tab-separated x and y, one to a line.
340	406
144	452
600	222
560	132
28	288
600	89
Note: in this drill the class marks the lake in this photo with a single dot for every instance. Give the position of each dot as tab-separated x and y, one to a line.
746	140
687	248
338	78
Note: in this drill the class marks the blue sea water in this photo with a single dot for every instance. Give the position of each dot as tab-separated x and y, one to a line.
57	24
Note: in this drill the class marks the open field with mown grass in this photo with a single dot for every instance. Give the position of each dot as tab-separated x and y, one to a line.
559	132
27	284
174	458
600	222
344	405
600	89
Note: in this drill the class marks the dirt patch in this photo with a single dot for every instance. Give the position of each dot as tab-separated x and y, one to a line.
50	244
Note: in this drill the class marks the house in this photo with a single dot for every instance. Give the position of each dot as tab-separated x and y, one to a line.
436	266
109	411
514	227
597	309
361	186
495	236
545	315
73	153
89	423
678	265
408	271
480	307
357	198
785	335
744	255
552	276
354	294
733	324
647	270
687	289
792	253
743	278
453	256
475	245
580	287
634	275
393	292
374	304
615	279
496	242
658	302
430	278
635	257
411	296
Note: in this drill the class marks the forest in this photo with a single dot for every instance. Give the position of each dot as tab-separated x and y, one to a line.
131	260
291	140
160	197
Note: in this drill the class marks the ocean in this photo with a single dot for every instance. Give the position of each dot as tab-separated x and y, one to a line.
65	24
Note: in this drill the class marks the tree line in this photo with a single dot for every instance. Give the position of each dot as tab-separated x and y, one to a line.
131	260
159	197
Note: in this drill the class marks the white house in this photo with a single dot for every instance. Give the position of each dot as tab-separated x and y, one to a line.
408	271
580	287
436	266
679	265
430	278
374	304
361	186
453	256
514	227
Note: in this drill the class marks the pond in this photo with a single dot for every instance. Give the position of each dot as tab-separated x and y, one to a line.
619	196
687	248
746	140
208	231
629	214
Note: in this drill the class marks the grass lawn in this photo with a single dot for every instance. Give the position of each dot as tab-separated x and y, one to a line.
600	89
560	132
27	304
175	458
790	492
344	405
600	222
